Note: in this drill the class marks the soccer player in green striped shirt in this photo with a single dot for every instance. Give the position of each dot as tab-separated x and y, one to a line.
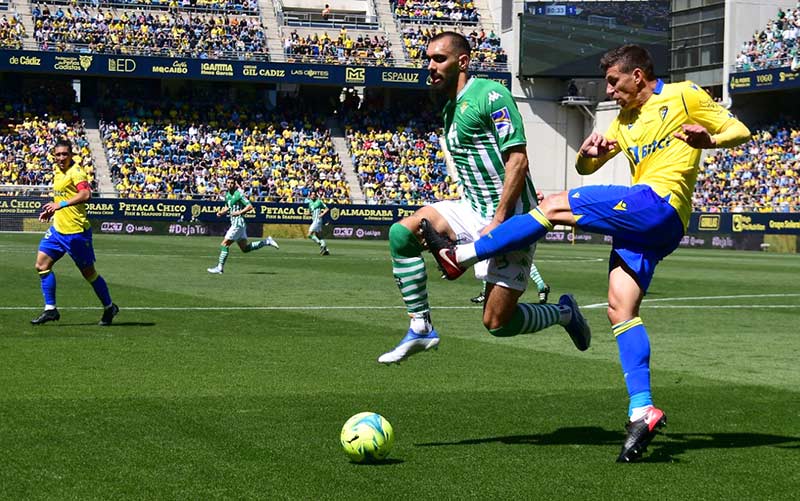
318	210
485	136
237	205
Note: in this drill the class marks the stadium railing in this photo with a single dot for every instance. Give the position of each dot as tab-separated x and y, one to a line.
158	5
144	51
769	64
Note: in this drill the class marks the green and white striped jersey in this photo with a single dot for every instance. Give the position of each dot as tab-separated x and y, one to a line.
236	201
480	125
316	207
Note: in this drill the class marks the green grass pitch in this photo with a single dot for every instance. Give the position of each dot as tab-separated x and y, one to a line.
236	386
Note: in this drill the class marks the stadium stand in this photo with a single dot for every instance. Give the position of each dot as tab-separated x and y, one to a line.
436	11
12	31
327	14
759	176
397	155
775	46
175	149
216	6
203	36
31	119
486	51
342	48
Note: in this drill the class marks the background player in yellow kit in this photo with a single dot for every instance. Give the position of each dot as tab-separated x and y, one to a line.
70	234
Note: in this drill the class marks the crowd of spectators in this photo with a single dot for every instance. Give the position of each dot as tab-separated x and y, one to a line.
12	32
203	36
174	149
758	176
486	51
775	46
651	15
436	11
31	120
340	50
396	154
216	6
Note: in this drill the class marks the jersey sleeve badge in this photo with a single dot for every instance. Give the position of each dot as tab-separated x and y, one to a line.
502	122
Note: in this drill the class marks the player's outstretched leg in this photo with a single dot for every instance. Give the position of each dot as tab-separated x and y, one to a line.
640	433
443	250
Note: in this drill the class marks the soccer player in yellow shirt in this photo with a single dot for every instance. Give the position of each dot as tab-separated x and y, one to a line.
661	129
70	234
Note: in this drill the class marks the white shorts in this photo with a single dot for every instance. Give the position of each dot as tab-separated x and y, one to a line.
508	270
315	227
236	234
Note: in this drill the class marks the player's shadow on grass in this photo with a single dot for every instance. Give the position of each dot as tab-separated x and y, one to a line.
94	324
665	448
261	273
132	324
382	462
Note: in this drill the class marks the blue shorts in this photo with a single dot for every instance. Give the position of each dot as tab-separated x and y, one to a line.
645	227
77	245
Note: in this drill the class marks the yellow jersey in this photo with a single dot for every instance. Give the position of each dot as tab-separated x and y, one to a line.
658	159
71	219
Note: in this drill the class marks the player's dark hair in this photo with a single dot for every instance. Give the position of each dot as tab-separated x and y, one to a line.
628	58
62	141
459	42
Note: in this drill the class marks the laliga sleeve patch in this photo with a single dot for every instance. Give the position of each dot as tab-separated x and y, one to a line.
502	122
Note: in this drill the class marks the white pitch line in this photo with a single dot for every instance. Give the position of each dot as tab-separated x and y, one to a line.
697	298
398	307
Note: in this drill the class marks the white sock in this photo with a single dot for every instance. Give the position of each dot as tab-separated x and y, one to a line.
49	307
421	325
466	255
639	412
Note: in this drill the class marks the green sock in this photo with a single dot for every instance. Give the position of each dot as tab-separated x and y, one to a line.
537	278
254	246
223	255
529	318
408	269
314	238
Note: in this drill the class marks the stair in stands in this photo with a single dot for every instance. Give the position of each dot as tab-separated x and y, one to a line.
102	173
340	145
388	24
487	22
274	31
26	16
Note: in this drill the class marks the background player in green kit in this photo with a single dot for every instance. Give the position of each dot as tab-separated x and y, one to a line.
237	205
318	210
485	136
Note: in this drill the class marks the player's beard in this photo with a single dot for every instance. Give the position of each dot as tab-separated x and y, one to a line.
447	84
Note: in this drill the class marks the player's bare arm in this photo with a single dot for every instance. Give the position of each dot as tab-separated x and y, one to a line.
222	212
516	167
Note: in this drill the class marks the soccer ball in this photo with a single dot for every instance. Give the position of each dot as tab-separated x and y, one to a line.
367	437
